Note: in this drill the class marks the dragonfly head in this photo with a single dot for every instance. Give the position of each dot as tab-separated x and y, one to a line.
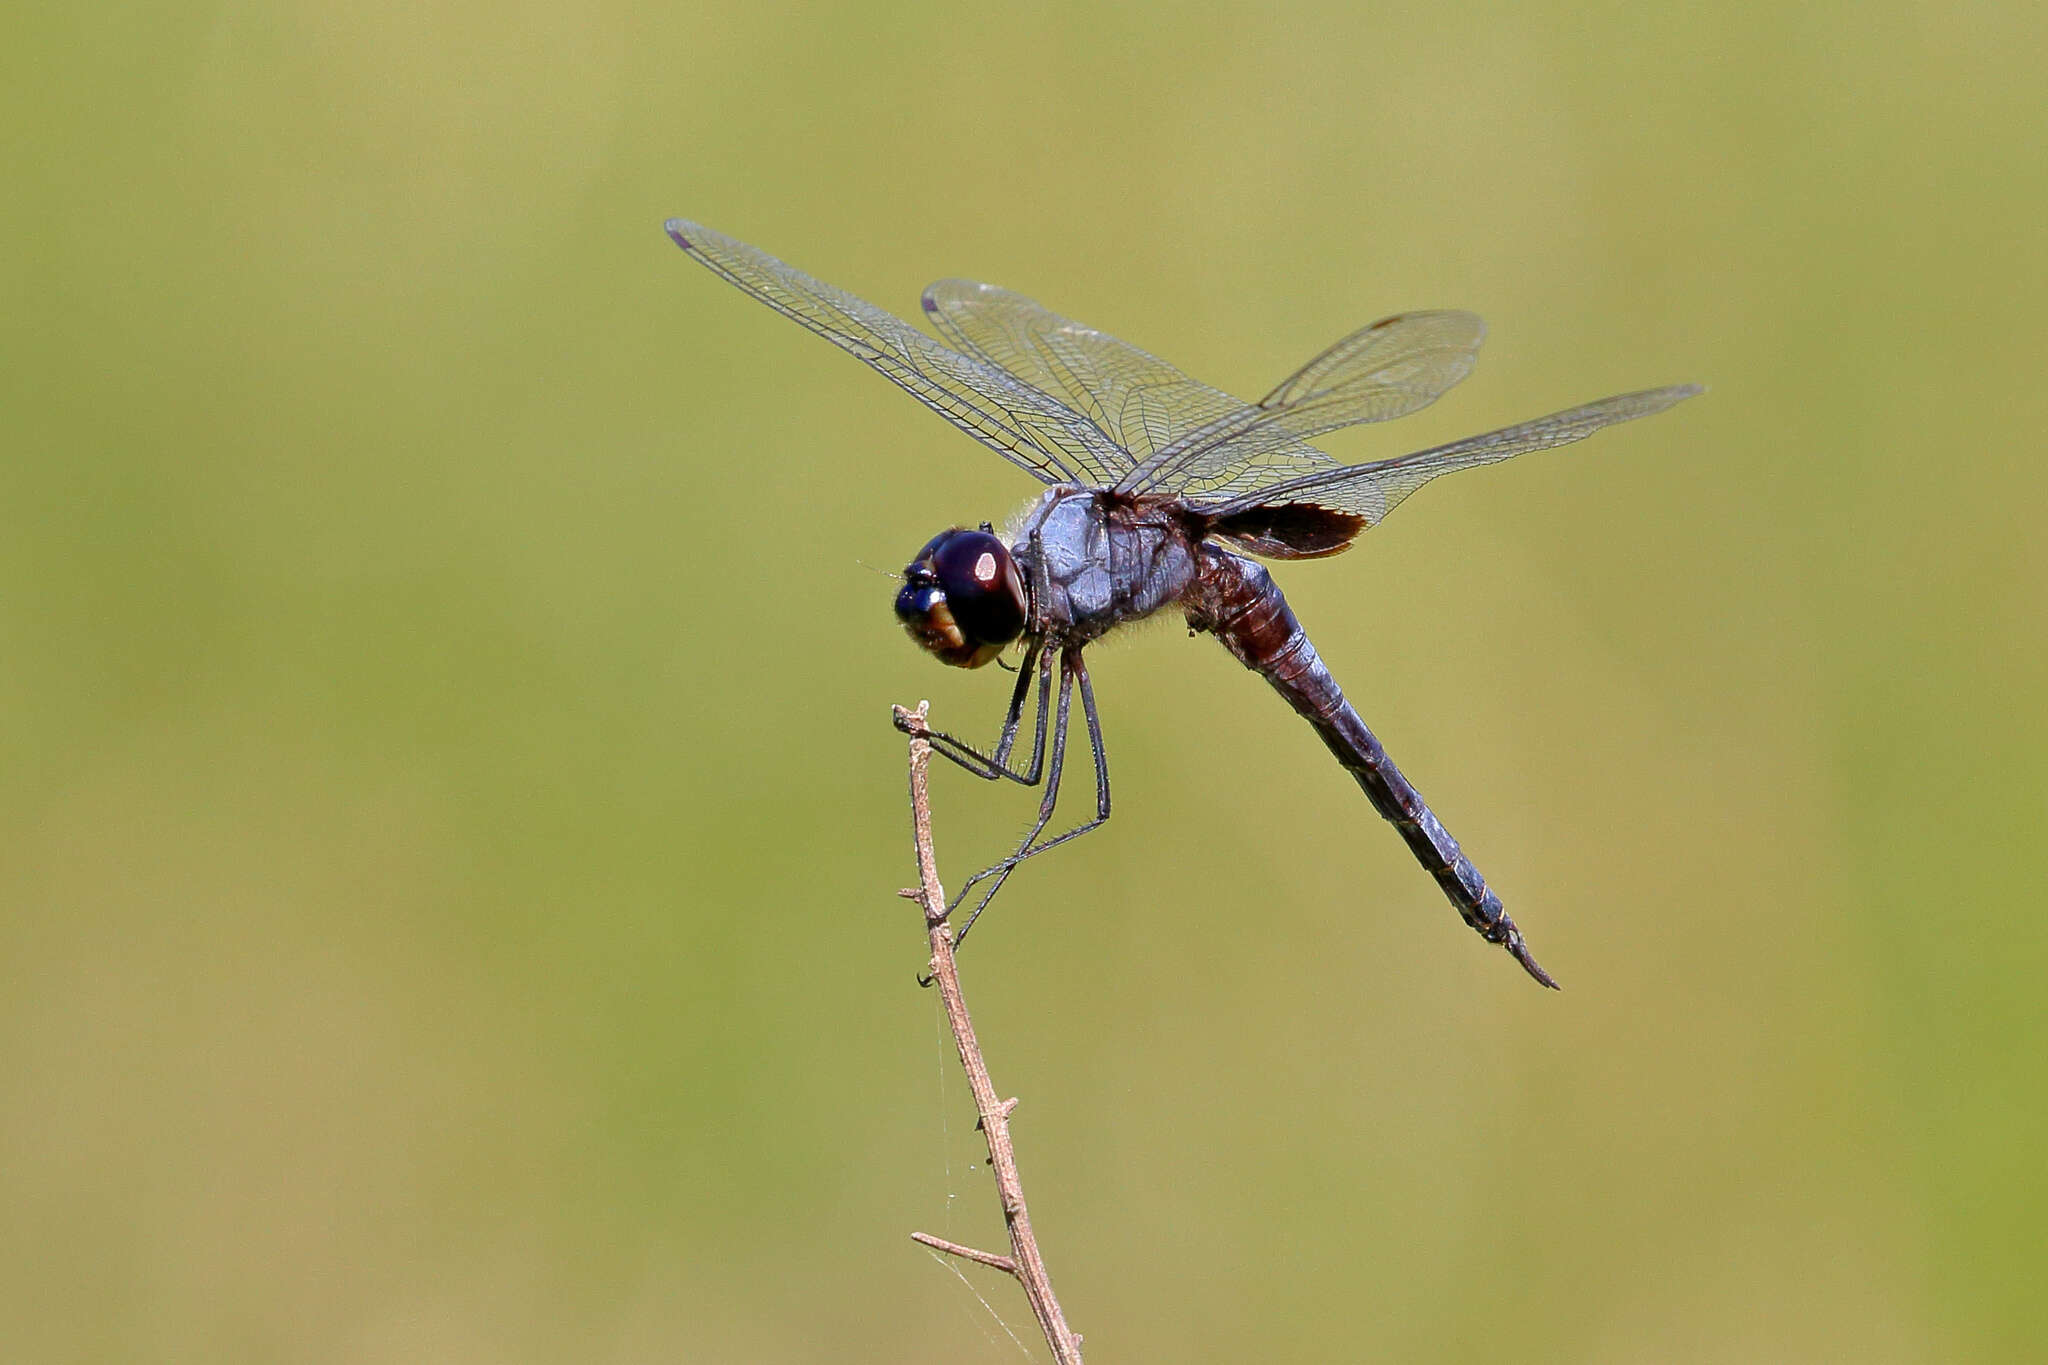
962	597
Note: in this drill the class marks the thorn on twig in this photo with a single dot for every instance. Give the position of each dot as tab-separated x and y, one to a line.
1010	1106
988	1258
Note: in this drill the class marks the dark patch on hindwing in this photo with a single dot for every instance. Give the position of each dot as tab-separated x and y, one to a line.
1290	530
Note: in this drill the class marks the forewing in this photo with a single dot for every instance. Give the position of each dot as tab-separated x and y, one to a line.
1372	490
1017	420
1138	401
1389	369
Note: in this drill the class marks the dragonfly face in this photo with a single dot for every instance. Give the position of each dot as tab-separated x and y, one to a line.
962	597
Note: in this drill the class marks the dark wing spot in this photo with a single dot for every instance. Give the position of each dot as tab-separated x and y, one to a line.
1290	530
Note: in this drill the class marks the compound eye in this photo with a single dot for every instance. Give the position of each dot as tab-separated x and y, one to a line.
982	586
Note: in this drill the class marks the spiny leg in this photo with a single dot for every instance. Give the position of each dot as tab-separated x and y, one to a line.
990	767
1072	668
1001	871
1030	850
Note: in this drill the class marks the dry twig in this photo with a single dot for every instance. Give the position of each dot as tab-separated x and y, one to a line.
1024	1262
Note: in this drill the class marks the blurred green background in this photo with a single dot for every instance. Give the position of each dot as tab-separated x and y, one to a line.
451	820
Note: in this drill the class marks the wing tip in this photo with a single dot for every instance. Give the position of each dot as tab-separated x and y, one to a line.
1659	399
680	229
1670	396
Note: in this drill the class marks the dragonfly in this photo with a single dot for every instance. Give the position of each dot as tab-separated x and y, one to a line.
1160	492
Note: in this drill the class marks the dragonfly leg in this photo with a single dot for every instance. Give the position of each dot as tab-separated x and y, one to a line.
1072	669
992	766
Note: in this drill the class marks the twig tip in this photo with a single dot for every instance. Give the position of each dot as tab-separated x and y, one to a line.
1006	1264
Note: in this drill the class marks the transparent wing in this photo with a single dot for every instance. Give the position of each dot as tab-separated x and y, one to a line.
1025	425
1372	490
1389	369
1138	401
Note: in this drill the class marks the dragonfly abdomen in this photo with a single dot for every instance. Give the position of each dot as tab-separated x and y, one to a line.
1236	600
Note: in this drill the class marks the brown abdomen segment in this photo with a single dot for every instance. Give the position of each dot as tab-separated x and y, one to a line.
1237	601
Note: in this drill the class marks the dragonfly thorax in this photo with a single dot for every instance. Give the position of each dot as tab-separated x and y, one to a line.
1099	560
